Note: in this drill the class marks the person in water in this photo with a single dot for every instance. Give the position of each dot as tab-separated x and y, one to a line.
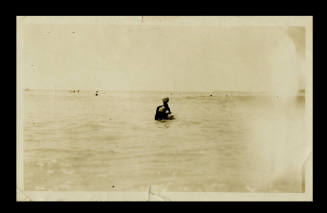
163	111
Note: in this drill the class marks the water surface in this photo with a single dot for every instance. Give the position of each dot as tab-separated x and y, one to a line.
111	142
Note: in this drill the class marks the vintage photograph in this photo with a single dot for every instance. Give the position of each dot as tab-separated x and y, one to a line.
164	107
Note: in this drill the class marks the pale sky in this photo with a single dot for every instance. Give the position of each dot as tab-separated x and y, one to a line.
149	57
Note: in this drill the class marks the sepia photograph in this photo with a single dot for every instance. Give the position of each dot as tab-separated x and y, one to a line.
164	108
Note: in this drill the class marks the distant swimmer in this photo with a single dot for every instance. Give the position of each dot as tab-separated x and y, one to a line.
96	93
163	111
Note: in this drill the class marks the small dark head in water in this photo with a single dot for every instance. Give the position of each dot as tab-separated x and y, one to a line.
163	111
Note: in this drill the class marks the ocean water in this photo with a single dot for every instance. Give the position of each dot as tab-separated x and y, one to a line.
111	142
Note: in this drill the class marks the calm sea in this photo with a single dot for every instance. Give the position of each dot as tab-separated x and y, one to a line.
111	142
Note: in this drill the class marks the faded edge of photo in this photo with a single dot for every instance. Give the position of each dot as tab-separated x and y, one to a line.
151	194
20	194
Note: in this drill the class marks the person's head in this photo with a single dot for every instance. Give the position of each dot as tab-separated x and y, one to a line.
165	100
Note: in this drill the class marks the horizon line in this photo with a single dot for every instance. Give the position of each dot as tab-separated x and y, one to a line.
108	90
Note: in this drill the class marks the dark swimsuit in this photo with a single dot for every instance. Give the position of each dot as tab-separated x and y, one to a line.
164	114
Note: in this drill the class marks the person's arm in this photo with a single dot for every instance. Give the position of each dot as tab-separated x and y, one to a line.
156	117
168	109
